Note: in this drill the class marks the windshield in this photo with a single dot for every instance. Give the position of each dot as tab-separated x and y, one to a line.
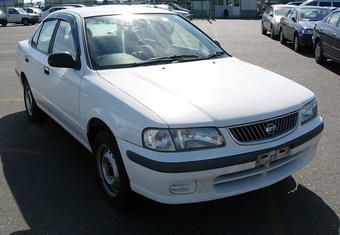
310	14
281	11
148	39
20	10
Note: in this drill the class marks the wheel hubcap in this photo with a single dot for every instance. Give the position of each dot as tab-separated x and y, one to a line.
109	172
296	43
29	100
317	51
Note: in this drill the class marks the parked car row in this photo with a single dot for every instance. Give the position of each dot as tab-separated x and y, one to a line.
18	15
306	26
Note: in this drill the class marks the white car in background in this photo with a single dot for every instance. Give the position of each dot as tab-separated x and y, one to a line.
33	10
45	13
166	112
184	14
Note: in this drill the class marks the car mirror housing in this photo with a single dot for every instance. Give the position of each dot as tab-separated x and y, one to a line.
61	60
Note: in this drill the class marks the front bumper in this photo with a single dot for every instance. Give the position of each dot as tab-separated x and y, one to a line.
305	39
34	20
177	182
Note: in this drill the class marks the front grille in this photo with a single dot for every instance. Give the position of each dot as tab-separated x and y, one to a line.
264	130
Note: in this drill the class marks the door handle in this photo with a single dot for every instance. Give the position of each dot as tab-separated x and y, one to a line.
334	34
46	70
27	58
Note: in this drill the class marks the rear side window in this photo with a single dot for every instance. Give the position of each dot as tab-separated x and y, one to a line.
42	37
325	4
336	4
63	41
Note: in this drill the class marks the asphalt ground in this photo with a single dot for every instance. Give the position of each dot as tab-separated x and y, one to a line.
48	185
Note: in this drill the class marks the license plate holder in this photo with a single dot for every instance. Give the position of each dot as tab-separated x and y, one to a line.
273	155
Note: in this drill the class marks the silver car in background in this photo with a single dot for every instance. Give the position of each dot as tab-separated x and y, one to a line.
271	19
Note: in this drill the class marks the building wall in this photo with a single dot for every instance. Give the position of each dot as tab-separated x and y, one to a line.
248	8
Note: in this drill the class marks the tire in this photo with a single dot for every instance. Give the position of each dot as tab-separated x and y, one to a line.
318	53
34	113
283	40
272	34
263	30
4	23
25	21
296	44
111	171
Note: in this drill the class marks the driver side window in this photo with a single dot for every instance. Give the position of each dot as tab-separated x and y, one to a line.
63	41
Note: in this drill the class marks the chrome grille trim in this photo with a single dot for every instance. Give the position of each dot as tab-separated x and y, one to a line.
266	130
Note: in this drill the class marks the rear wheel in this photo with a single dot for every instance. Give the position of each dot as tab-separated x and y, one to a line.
319	58
111	171
34	113
283	40
4	23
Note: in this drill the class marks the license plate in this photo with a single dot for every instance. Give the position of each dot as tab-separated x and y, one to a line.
265	158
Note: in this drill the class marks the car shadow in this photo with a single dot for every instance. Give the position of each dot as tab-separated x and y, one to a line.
51	179
331	66
306	51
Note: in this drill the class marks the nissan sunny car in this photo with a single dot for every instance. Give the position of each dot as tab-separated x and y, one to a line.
165	110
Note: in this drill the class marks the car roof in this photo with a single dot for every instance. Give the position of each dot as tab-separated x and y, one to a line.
114	10
314	7
281	5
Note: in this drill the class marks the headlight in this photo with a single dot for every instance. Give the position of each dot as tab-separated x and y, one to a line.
307	31
182	139
309	111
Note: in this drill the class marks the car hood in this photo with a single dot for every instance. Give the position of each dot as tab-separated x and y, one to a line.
217	92
307	24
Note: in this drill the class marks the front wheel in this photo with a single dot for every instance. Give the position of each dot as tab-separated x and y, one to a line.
111	171
296	42
319	58
283	40
34	113
272	33
25	21
263	30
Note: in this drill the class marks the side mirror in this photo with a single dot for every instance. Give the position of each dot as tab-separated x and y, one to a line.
61	60
217	42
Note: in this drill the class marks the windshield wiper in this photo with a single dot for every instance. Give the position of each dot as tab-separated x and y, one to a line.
174	57
215	54
157	60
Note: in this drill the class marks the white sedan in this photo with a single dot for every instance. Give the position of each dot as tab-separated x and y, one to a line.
166	112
